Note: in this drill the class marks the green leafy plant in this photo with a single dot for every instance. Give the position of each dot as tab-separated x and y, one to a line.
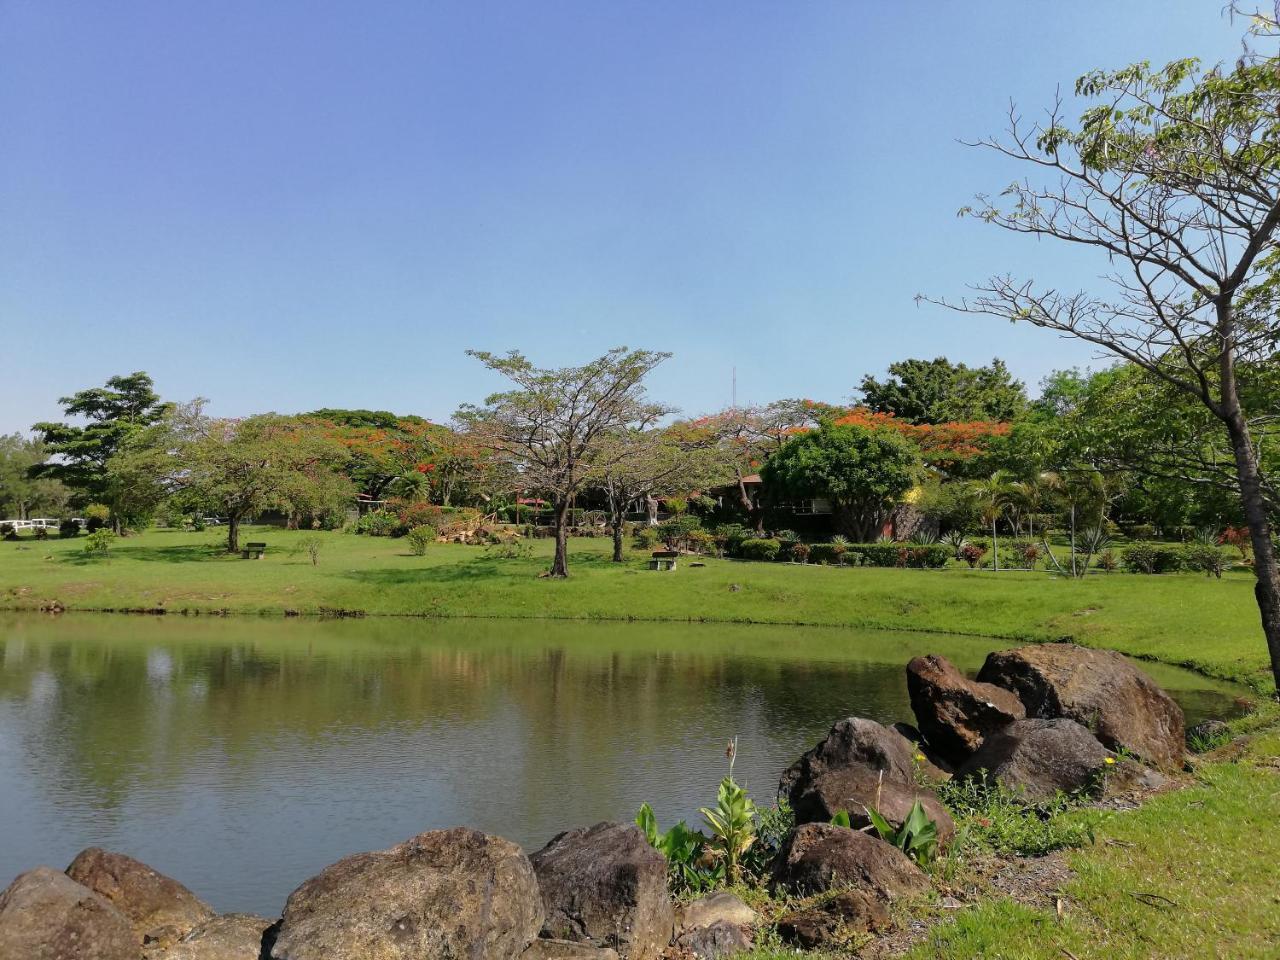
993	817
312	546
917	837
732	821
683	849
419	538
99	542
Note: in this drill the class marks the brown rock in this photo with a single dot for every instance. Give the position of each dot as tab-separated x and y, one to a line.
445	893
547	949
955	713
1037	758
854	742
233	936
820	856
606	886
45	915
853	789
848	914
1099	689
161	910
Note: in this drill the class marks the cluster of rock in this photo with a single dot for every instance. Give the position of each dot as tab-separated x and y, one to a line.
1038	719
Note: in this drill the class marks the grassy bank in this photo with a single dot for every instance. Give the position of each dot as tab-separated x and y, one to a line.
1209	625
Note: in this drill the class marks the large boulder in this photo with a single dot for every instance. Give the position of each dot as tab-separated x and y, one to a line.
1037	758
955	713
232	936
445	893
820	856
1099	689
160	909
607	886
853	742
854	789
45	915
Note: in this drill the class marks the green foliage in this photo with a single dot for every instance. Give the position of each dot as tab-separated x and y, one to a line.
377	523
675	532
68	528
419	538
732	825
759	549
931	557
938	391
1151	558
917	837
799	552
990	816
646	538
865	473
312	546
99	542
1207	558
686	867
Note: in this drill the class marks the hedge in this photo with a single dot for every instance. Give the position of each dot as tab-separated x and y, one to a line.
759	549
1152	558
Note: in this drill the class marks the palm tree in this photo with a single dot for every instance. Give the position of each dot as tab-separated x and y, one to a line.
992	495
1082	490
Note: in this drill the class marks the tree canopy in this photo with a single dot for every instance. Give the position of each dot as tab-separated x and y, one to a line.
939	391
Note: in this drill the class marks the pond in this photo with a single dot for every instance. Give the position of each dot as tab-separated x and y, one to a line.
241	756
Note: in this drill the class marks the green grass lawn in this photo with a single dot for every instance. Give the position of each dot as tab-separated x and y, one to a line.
1209	625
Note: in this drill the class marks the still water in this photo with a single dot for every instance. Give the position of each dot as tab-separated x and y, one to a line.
242	756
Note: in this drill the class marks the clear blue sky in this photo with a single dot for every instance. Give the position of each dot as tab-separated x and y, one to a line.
284	205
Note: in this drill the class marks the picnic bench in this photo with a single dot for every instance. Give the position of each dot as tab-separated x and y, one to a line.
663	560
253	551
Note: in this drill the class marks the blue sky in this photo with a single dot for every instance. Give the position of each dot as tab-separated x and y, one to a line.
286	205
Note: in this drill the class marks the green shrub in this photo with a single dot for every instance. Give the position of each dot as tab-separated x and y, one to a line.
800	553
68	529
647	538
379	523
930	557
989	816
96	516
1151	558
420	538
1206	558
1107	561
759	549
99	542
831	553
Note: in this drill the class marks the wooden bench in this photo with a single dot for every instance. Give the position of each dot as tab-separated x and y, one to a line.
253	551
663	560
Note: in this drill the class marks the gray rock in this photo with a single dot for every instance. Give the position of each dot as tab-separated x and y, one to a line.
1037	758
854	789
1208	734
446	893
45	915
232	936
1100	690
819	857
714	908
954	712
606	886
716	940
160	909
853	742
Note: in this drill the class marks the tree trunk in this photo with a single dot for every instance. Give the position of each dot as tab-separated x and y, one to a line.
560	565
233	533
995	547
1267	589
617	539
754	514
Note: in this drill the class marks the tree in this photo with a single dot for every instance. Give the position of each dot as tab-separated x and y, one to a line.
384	448
553	428
865	473
1173	174
634	464
939	391
992	494
79	454
242	467
745	437
23	496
